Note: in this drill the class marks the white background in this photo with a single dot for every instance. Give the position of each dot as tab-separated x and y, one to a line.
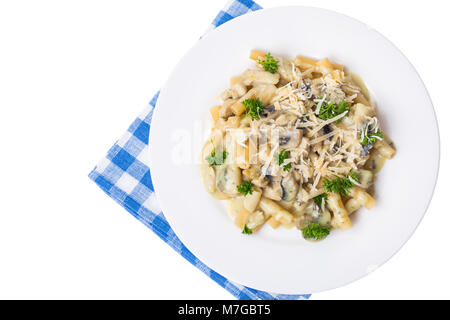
75	74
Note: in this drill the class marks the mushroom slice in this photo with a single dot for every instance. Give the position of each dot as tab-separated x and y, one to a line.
286	119
299	208
226	111
289	138
273	190
251	173
316	88
289	188
225	95
228	177
270	113
285	70
260	182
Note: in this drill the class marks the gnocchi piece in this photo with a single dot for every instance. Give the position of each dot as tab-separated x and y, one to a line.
273	223
355	79
228	177
286	70
363	198
215	142
365	178
288	226
352	205
289	188
256	220
265	92
324	217
242	156
238	108
360	98
385	149
215	112
233	122
305	63
299	208
238	90
235	80
251	201
208	178
361	111
237	212
251	173
272	209
257	55
251	77
226	110
325	66
337	75
340	214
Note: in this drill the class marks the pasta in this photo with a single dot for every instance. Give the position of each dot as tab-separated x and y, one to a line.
295	142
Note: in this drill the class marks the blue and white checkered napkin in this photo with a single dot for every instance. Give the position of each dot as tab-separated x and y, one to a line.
125	177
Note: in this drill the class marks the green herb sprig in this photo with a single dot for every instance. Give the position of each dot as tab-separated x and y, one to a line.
321	198
280	157
331	110
269	63
245	188
216	158
247	230
341	185
370	138
315	231
253	108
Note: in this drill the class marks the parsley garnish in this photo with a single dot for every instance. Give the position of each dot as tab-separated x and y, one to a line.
269	64
340	185
354	176
331	110
370	139
315	231
280	157
253	107
216	158
245	188
247	230
322	197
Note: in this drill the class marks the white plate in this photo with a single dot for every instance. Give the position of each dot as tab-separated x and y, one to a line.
280	260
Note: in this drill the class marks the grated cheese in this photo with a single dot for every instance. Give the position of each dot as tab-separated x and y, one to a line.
324	137
324	123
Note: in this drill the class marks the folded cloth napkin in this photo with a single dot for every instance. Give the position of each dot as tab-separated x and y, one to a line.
125	177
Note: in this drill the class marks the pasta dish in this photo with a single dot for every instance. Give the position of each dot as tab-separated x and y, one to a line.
294	143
